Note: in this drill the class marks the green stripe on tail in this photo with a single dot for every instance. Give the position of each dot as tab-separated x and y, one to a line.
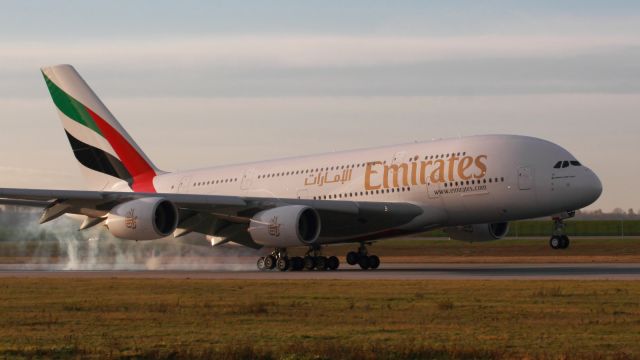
71	107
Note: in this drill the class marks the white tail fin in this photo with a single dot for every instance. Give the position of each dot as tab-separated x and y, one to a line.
105	151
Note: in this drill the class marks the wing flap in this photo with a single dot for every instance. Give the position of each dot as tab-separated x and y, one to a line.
216	215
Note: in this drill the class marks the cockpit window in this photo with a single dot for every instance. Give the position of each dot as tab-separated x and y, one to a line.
566	164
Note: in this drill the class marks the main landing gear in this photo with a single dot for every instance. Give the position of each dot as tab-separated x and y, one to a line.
362	258
559	240
280	261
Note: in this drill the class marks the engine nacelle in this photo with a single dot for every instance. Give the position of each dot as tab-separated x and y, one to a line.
479	232
281	227
143	219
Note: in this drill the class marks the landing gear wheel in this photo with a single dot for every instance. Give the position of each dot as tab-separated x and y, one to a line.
261	265
321	263
352	258
374	262
297	264
333	263
309	263
559	240
269	262
364	262
283	264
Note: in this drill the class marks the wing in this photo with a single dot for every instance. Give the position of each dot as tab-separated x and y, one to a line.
228	217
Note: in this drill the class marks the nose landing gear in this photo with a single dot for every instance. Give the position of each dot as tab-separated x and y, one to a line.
363	259
559	240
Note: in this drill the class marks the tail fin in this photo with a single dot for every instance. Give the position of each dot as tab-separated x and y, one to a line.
107	154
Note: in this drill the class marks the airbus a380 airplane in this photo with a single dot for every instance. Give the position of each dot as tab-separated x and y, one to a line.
470	186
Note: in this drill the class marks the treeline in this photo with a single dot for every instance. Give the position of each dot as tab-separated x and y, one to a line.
616	214
544	228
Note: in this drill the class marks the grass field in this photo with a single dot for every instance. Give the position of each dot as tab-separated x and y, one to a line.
535	228
188	319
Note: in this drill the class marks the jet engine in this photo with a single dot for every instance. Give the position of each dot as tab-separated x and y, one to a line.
281	227
479	232
143	219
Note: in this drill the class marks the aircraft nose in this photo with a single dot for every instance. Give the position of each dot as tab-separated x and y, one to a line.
593	186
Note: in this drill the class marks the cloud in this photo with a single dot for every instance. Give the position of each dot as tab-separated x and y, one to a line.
33	171
237	51
314	65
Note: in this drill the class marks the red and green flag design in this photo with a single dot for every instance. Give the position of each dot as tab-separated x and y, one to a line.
98	144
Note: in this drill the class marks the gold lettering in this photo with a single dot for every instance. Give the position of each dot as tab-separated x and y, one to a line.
452	164
438	174
463	166
423	171
420	172
414	173
368	174
480	164
395	169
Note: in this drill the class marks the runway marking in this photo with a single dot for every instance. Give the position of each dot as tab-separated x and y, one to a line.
566	271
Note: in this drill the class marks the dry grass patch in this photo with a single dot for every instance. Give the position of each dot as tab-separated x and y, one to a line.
236	319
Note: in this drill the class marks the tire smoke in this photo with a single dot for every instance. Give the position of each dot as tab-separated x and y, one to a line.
59	245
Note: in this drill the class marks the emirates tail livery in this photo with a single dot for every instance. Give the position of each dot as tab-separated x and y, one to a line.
471	186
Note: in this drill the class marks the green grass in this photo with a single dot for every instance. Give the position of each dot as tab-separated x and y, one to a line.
577	228
534	228
522	249
187	319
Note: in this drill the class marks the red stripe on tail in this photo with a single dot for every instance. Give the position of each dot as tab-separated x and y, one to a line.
143	174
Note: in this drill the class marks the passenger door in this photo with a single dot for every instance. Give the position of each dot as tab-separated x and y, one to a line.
525	178
247	179
184	185
433	190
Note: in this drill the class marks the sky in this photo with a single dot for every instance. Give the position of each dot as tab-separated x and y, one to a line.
205	83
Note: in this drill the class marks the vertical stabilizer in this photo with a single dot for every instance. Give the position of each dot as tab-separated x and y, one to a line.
107	154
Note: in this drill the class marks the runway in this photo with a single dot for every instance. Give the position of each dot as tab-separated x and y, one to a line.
630	271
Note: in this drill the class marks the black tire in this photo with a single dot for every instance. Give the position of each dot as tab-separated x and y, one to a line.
555	242
374	262
333	263
321	263
309	263
260	264
269	262
352	258
297	263
283	264
364	262
564	239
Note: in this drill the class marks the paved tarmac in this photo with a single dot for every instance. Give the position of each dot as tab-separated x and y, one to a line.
386	272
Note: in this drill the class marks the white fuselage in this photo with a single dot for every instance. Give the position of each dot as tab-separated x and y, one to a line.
471	180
